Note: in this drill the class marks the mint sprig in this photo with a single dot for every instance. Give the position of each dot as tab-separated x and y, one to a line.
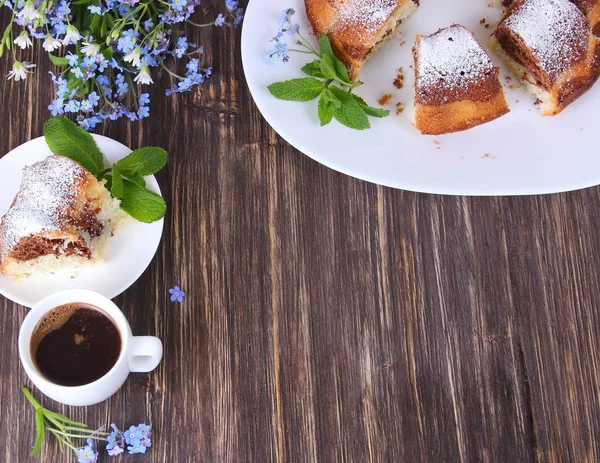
329	81
124	179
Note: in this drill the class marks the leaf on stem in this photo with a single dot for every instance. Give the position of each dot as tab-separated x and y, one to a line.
68	139
39	430
302	89
350	113
313	69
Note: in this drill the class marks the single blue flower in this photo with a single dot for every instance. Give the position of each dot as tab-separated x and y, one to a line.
178	5
60	28
111	440
196	78
114	451
281	47
144	99
78	72
146	442
122	89
103	80
95	9
177	294
86	106
145	429
184	85
137	448
56	107
120	78
93	98
72	106
133	435
267	57
86	455
220	20
102	62
148	25
231	4
192	65
143	112
73	59
89	64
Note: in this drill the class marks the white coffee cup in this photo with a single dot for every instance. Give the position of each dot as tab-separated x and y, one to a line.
138	353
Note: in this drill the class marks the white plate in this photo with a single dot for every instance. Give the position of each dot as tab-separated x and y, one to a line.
128	253
526	153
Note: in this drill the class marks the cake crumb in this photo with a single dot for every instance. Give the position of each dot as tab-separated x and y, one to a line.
516	101
399	108
402	43
399	80
508	78
385	99
482	21
437	143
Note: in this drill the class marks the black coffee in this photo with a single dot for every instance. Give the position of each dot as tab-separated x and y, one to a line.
75	344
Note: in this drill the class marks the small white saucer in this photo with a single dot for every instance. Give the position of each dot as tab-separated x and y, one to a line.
128	253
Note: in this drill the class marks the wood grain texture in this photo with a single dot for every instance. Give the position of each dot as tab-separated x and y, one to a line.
329	319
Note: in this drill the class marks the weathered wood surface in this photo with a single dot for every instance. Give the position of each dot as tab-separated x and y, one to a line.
329	319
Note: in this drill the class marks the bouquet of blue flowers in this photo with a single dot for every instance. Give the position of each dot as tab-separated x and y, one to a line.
108	50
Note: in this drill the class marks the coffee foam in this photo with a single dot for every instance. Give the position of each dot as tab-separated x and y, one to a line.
55	318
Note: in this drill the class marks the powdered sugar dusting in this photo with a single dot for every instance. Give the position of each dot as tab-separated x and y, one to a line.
555	31
367	15
451	61
47	190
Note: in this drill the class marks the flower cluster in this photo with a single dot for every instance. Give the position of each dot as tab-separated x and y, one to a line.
281	52
110	48
136	439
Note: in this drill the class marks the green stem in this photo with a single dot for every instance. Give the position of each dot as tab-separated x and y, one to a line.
200	25
80	436
162	65
302	51
66	442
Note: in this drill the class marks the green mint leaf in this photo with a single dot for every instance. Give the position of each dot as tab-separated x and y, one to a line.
116	189
313	69
143	161
68	139
136	178
302	89
376	112
326	50
350	113
141	204
39	431
371	111
330	98
57	60
327	67
325	110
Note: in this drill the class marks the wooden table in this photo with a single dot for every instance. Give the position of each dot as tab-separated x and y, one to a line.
329	319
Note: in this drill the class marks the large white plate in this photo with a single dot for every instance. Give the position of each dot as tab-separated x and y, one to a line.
520	153
128	253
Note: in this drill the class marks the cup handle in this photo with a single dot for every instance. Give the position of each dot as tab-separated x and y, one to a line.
145	354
